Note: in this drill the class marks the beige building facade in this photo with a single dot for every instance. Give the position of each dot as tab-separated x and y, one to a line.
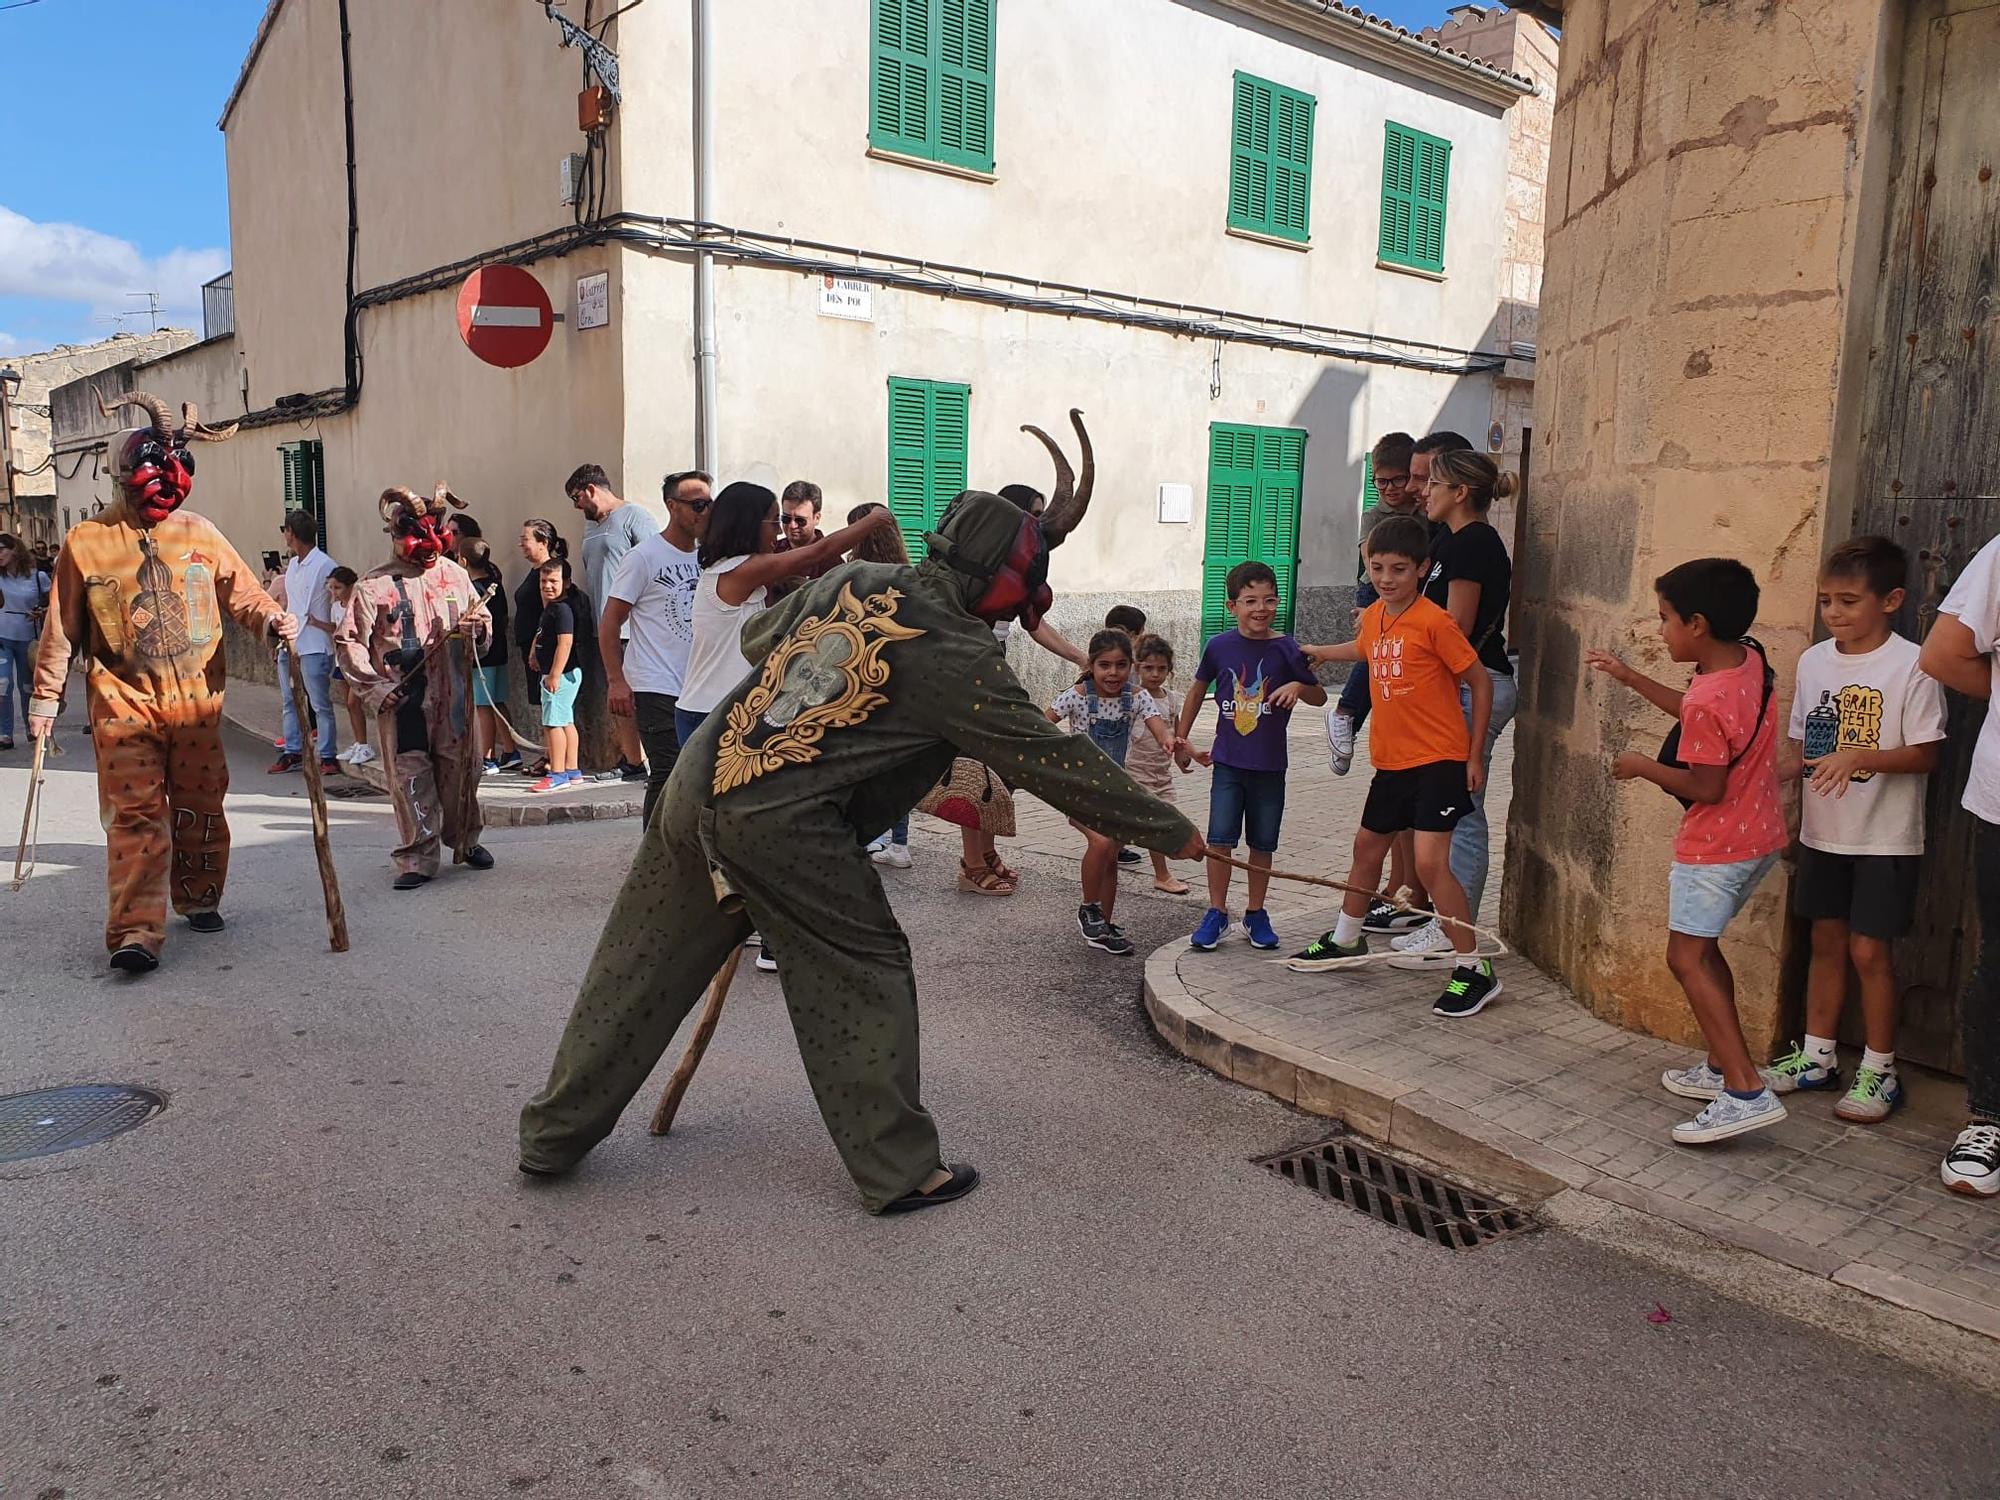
1767	325
1111	243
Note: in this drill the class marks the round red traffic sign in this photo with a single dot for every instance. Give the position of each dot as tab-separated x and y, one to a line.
504	315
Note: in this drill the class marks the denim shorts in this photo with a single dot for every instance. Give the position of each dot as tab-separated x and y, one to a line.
1245	804
489	687
559	707
1704	899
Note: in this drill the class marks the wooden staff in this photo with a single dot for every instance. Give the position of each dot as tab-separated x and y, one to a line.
469	760
21	864
329	882
704	1029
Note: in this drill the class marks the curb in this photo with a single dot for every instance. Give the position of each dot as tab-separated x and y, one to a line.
1409	1119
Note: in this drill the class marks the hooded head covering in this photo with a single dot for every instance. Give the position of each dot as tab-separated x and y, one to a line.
996	555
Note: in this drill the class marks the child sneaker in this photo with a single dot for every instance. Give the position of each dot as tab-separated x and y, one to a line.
1467	992
894	856
1698	1082
1257	927
1090	922
1972	1166
1324	953
1873	1098
1339	741
1726	1115
1798	1070
1214	927
1385	917
1111	940
1422	947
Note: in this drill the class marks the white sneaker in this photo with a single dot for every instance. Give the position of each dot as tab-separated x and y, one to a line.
1726	1115
895	856
1422	947
364	755
1697	1082
1972	1166
1340	741
765	962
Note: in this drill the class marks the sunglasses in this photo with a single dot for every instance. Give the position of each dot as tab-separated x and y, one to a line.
697	506
798	523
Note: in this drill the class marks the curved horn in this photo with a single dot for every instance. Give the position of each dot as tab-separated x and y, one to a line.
443	496
1072	497
191	426
396	499
163	425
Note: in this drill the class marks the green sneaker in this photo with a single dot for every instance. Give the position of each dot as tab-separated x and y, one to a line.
1873	1098
1324	953
1796	1070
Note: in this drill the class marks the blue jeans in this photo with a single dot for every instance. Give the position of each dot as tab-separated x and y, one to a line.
318	667
686	722
16	674
1354	698
1468	840
900	834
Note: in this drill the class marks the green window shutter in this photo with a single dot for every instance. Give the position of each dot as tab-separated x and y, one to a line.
909	460
1281	460
902	84
314	499
1232	498
1370	496
950	413
292	457
965	83
1416	174
1270	159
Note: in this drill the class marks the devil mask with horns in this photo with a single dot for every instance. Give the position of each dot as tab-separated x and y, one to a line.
417	524
1016	582
152	465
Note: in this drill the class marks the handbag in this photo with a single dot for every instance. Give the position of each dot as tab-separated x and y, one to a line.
971	797
1670	747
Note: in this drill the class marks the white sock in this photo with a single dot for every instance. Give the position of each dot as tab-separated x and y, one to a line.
1346	930
1881	1062
1470	962
1821	1050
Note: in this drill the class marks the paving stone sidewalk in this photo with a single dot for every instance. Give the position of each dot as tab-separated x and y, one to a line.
1539	1095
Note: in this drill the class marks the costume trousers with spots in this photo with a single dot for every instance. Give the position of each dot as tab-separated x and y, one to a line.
159	795
843	962
424	783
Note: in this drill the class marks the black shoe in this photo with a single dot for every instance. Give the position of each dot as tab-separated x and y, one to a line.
964	1178
205	921
1090	922
1467	991
629	772
478	857
409	880
543	1172
1111	939
1382	917
132	959
1130	857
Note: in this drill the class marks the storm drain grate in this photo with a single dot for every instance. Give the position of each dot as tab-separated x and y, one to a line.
1398	1192
52	1120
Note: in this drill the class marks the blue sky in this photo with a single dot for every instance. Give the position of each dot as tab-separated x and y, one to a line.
83	221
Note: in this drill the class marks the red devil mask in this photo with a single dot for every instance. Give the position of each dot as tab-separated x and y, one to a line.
1019	590
419	529
153	465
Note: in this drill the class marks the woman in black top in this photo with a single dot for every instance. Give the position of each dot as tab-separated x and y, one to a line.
489	695
1472	578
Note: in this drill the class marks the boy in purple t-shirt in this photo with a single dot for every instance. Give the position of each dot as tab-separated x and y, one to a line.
1258	676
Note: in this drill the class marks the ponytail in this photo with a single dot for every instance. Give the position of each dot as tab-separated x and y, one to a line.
1483	480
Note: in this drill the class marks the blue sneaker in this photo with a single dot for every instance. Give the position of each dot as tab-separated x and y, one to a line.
1211	931
1257	926
1797	1070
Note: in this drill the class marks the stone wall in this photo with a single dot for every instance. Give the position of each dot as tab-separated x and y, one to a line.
1703	210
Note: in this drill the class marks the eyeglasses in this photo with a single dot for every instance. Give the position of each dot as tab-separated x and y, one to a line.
1391	481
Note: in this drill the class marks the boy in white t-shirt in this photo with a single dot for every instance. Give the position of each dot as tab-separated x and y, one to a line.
1866	726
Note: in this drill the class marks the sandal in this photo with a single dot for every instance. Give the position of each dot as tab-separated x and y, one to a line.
1005	874
983	881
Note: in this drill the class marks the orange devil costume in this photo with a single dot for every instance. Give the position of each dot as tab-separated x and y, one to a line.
139	594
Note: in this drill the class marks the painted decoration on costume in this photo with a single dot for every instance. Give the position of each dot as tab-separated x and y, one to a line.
159	613
198	592
823	677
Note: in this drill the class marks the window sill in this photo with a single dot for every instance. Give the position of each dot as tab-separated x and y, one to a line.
924	163
1417	271
1267	239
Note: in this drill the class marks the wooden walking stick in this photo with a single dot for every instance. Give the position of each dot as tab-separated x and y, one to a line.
22	864
469	759
336	913
728	905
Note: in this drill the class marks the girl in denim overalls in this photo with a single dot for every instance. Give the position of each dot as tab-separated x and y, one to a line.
1105	705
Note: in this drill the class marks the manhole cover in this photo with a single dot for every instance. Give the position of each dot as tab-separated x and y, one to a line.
347	789
1399	1192
52	1120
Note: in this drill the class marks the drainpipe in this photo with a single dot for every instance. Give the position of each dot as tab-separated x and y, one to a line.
705	444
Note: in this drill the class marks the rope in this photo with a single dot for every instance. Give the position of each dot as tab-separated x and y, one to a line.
1500	948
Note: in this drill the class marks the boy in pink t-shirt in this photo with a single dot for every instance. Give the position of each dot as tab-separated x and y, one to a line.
1726	774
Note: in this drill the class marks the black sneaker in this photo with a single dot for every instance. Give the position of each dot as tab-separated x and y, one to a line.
1090	922
1129	856
1467	991
1383	917
132	959
479	857
629	772
1324	953
205	921
1110	940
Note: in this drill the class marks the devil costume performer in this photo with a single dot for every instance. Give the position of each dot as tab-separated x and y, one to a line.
397	649
140	592
865	684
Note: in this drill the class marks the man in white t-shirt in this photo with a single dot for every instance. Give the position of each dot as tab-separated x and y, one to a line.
646	625
1959	652
305	587
612	527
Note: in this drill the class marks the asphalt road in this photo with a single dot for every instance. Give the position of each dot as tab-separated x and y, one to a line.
318	1273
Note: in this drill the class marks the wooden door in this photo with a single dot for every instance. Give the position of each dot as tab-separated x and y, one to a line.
1931	436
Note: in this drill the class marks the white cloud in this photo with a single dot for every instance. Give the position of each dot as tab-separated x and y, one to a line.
69	263
11	345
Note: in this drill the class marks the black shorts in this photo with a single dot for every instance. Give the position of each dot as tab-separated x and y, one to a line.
1429	798
1874	894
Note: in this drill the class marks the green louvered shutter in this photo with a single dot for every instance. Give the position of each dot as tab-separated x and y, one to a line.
292	455
1281	455
909	460
964	135
1291	164
950	412
1270	159
902	86
1250	155
1232	500
1370	496
1416	175
304	465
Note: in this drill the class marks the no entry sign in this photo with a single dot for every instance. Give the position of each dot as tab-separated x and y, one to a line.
504	315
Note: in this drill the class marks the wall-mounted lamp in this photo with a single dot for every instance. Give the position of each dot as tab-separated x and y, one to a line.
10	382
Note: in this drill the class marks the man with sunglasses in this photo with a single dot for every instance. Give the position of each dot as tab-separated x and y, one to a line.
611	529
647	625
799	511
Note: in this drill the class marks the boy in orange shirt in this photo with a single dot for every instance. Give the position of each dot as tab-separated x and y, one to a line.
1427	763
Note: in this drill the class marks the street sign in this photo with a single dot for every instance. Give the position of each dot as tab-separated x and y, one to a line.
843	297
504	316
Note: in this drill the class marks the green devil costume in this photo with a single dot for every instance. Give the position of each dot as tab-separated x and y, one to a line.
872	678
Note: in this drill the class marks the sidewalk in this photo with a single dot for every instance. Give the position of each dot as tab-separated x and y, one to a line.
1536	1095
504	801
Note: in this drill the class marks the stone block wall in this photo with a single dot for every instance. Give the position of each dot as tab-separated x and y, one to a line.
1702	211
